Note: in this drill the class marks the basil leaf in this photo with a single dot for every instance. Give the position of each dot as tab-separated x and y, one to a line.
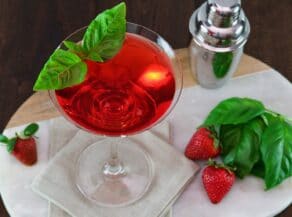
3	139
241	145
105	34
276	150
31	129
221	63
234	111
75	48
259	169
63	69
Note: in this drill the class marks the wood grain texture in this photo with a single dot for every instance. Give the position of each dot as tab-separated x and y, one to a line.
31	29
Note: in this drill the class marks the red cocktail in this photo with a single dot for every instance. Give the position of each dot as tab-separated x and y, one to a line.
125	94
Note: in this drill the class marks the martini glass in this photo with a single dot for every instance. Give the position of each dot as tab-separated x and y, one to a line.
123	96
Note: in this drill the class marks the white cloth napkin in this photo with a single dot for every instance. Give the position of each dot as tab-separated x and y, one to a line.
173	173
61	132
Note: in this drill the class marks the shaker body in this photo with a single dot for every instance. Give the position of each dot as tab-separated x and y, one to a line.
220	30
213	69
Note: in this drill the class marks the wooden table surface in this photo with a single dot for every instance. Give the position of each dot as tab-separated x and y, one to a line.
31	30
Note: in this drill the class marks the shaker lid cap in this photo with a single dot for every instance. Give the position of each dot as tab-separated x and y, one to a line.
220	25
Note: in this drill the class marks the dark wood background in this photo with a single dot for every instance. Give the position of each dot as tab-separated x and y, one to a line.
31	29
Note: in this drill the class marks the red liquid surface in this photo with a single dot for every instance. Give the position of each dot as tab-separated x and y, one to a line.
125	94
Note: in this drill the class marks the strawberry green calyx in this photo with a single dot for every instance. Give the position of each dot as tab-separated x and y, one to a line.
215	135
10	143
27	133
213	163
3	139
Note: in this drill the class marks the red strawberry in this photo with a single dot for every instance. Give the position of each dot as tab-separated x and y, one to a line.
25	151
217	180
203	145
23	146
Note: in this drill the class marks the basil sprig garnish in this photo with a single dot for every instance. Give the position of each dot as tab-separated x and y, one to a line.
102	40
254	139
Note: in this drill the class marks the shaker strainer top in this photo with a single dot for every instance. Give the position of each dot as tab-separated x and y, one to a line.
220	25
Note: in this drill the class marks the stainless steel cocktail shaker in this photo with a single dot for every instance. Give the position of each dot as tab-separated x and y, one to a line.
220	30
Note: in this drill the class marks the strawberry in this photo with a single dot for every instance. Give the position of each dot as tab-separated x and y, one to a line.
203	145
23	146
25	151
217	180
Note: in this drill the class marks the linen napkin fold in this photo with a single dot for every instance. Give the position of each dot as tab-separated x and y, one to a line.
173	172
62	131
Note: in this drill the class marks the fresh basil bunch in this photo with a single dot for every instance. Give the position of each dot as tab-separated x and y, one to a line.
254	139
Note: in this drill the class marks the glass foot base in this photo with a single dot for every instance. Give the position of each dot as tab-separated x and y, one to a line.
114	186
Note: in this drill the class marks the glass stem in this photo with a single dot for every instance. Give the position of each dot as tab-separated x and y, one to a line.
114	168
114	151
